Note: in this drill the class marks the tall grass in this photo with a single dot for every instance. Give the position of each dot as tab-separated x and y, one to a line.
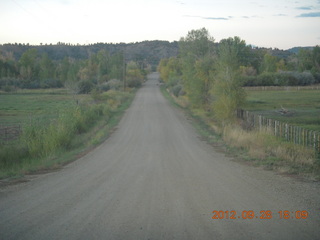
40	142
263	145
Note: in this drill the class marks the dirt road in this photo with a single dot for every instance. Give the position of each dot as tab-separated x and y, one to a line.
155	179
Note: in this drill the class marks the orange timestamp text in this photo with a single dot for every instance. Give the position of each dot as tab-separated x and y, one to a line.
264	214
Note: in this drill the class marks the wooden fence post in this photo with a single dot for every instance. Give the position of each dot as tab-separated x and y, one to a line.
294	134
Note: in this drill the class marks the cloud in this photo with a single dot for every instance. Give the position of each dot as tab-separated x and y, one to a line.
215	18
280	15
224	18
308	15
208	18
304	8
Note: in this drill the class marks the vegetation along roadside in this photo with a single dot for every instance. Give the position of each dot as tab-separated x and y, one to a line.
209	79
76	128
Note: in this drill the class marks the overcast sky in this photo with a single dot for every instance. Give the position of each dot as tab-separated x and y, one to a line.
274	23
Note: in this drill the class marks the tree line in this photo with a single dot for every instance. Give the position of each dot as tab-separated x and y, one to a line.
100	70
211	75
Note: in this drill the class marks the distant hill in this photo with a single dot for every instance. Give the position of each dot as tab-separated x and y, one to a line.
297	49
150	51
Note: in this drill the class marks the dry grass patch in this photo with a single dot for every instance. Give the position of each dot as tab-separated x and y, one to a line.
261	145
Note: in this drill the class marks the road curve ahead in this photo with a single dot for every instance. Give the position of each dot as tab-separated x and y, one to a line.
155	179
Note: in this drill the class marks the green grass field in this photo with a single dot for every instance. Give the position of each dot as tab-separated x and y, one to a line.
39	105
303	106
54	124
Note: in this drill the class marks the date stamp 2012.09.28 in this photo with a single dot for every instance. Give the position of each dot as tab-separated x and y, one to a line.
263	214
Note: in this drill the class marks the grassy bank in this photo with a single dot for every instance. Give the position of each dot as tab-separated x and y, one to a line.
256	148
75	127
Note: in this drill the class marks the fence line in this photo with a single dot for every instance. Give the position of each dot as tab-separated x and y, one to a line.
290	133
283	88
9	133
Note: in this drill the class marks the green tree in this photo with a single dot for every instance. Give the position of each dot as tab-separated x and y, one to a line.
196	51
205	74
170	69
240	50
46	70
134	76
316	59
116	66
103	57
269	63
227	89
305	59
163	70
29	65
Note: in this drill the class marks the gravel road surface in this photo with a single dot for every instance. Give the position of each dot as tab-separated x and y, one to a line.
155	179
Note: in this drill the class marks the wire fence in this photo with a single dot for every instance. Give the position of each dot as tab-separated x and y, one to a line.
283	88
290	133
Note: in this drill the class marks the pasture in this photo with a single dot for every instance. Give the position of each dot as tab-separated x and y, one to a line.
34	105
296	107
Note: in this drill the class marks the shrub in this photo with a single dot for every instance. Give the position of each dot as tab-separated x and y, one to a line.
304	78
248	81
103	87
11	155
85	86
316	77
8	88
134	83
113	84
51	83
10	82
172	81
266	79
176	90
283	78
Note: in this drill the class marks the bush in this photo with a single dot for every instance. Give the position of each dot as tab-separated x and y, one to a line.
316	78
176	90
172	81
280	79
134	83
248	81
51	83
103	87
85	86
11	155
12	82
113	84
304	78
266	79
8	88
